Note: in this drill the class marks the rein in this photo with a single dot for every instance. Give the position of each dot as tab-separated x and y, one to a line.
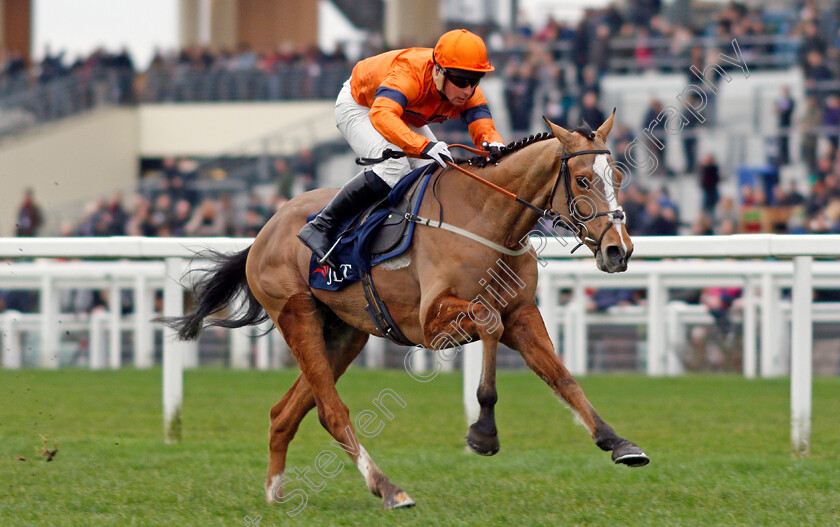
392	154
616	216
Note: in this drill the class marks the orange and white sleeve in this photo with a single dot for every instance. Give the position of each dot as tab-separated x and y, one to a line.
386	113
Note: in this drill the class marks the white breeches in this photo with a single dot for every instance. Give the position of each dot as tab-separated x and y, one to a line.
353	121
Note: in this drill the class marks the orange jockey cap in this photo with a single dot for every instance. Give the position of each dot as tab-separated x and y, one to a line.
461	50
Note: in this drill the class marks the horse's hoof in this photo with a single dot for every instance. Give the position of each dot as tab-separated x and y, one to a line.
482	444
630	454
398	500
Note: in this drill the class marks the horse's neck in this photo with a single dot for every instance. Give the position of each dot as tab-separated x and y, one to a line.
530	174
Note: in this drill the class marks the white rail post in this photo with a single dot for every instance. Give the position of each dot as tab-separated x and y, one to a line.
375	352
173	367
675	331
549	299
656	337
143	352
114	333
581	337
274	350
445	365
190	354
569	326
771	322
473	361
801	356
419	362
189	350
240	348
49	324
263	359
96	341
11	352
750	320
240	340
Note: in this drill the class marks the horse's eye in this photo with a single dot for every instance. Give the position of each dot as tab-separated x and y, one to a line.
582	182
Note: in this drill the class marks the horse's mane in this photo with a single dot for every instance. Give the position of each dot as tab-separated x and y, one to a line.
584	129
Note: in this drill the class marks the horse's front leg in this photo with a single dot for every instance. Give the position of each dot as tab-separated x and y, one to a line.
452	317
525	332
483	438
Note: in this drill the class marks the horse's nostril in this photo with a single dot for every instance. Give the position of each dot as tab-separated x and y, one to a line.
615	253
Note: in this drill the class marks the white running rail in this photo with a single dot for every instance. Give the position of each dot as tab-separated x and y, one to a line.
176	252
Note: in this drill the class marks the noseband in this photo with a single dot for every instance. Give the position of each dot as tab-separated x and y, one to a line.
616	216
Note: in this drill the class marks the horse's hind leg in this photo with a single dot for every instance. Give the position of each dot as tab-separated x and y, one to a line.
302	326
526	333
287	414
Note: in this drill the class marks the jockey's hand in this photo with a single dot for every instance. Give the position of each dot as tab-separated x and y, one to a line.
495	150
438	151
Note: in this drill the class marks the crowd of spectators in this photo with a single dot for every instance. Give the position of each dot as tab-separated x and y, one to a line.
554	70
56	87
558	66
170	203
197	74
641	37
189	74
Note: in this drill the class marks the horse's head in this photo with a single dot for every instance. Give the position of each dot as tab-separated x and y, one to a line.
587	205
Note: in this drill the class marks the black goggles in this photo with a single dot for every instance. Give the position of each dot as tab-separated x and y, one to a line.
459	81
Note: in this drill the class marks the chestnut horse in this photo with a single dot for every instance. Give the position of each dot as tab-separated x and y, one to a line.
432	293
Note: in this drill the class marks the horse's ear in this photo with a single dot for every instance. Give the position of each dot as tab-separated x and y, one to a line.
559	132
605	128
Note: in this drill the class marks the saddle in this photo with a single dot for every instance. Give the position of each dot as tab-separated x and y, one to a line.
394	233
376	234
391	238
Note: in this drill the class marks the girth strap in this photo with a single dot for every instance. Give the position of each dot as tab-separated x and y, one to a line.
467	234
379	313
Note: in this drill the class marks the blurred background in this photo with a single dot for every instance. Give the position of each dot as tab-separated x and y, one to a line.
202	117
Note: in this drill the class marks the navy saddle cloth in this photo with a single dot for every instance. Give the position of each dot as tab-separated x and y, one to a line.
374	235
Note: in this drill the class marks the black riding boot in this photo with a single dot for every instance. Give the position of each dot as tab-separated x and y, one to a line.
358	193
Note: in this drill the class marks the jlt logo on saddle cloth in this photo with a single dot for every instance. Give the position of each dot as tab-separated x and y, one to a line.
330	276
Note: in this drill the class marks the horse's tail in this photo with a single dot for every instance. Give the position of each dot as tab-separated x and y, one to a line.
223	281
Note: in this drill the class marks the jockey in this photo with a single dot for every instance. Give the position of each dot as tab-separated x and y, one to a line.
388	102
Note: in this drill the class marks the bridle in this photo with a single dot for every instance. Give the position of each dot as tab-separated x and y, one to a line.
616	216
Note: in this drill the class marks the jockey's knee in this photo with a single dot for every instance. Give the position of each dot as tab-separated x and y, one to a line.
392	170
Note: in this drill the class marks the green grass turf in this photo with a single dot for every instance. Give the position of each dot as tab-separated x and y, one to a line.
719	446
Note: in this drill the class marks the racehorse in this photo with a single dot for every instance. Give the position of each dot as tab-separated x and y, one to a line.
432	296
